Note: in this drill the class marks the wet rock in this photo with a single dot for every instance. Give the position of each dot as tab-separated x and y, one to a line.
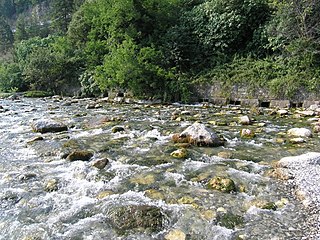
175	234
82	155
222	184
117	129
245	120
35	139
44	126
100	163
27	176
247	133
133	217
198	134
180	153
51	185
263	204
229	220
299	132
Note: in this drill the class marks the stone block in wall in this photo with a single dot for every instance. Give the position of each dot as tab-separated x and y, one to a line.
307	104
250	102
280	103
219	101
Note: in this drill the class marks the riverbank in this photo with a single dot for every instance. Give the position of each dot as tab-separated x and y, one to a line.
302	174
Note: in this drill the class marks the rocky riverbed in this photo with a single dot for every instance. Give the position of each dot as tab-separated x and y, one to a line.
92	169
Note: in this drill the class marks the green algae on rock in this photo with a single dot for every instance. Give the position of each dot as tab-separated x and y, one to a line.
222	184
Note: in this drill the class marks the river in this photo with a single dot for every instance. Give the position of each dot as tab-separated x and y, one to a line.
144	192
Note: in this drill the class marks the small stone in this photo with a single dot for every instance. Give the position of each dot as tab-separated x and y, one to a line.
100	163
51	185
180	153
154	194
175	234
316	128
209	214
81	155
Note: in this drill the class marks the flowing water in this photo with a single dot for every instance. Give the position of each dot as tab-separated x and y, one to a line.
88	203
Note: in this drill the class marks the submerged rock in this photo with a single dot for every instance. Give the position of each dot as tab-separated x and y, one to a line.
198	134
117	129
44	126
222	184
300	132
134	217
82	155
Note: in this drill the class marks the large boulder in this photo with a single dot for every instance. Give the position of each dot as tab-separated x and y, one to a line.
198	134
134	217
80	155
48	125
299	132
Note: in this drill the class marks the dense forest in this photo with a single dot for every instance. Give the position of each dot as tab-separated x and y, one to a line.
159	49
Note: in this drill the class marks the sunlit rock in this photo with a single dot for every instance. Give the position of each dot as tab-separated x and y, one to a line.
222	184
154	194
51	185
47	125
175	234
35	139
104	194
282	112
82	155
299	132
144	180
198	134
297	140
244	120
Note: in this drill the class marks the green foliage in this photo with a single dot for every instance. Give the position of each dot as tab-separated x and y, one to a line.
36	94
10	77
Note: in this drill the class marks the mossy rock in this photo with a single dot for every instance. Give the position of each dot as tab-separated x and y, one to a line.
180	153
230	220
222	184
142	218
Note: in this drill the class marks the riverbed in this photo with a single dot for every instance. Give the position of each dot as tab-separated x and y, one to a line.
144	192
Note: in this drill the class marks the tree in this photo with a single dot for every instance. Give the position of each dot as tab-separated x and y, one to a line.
61	15
6	36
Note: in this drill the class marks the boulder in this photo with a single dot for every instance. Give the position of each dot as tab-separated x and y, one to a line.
47	125
222	184
198	134
82	155
51	185
282	112
299	132
136	217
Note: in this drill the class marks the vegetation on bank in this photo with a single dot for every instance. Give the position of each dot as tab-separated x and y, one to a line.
159	49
